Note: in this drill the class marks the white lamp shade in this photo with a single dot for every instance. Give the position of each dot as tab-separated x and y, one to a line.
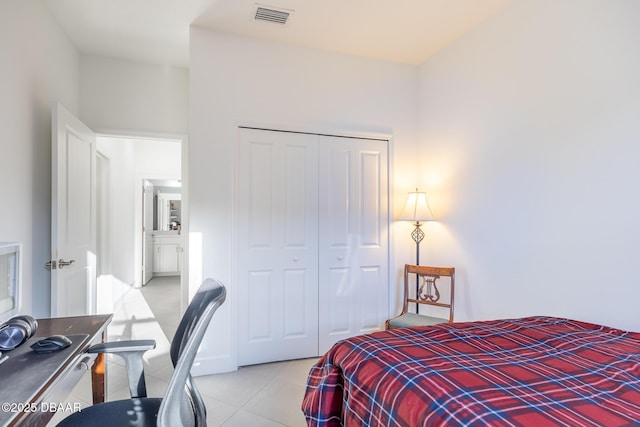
416	208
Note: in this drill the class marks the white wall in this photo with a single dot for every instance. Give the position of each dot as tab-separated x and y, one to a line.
235	80
530	135
130	96
38	66
130	161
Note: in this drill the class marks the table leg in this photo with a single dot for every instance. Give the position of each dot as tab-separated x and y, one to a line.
98	383
97	379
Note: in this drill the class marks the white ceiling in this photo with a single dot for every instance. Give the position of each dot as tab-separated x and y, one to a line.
157	31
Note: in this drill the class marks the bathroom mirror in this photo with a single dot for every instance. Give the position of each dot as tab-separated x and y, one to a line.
165	204
169	211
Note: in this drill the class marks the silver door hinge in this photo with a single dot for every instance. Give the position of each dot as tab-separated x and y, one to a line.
51	265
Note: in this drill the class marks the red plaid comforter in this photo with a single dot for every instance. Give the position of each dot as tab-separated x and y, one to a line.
536	371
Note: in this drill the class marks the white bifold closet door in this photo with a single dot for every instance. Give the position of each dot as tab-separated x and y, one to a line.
312	242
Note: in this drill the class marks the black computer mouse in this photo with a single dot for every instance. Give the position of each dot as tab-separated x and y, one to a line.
52	343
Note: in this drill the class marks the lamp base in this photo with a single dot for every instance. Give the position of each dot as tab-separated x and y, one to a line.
417	234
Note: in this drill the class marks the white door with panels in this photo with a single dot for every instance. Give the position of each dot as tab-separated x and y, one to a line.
278	246
73	214
354	242
312	225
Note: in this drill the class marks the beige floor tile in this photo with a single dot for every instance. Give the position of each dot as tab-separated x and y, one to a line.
234	388
218	412
279	401
297	371
245	419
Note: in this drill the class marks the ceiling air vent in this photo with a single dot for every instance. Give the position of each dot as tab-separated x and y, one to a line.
271	15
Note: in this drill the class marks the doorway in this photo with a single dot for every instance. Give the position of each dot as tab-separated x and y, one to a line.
162	239
131	160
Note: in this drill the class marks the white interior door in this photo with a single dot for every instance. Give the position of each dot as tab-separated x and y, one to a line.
73	213
278	246
354	237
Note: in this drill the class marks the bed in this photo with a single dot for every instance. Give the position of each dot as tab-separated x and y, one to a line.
534	371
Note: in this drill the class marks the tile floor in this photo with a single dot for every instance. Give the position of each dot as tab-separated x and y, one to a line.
266	395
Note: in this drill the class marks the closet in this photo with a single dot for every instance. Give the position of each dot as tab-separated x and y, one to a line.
313	242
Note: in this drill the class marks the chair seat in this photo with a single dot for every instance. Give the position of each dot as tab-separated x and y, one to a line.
129	412
412	319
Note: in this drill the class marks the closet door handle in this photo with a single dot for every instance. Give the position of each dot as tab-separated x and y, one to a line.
296	259
340	257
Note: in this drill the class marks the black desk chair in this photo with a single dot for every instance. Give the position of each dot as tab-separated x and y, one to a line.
182	404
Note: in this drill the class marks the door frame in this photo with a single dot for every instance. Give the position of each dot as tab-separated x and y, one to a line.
139	209
103	224
103	175
145	256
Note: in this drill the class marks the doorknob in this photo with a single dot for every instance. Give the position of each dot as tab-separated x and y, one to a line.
63	263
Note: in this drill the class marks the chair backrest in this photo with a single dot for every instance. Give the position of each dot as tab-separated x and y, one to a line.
182	404
425	280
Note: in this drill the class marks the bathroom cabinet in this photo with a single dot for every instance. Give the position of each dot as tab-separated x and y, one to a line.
167	255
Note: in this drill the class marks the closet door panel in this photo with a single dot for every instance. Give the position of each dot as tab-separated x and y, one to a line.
294	297
339	306
373	249
260	321
371	199
372	204
338	176
369	301
277	237
296	183
260	209
354	217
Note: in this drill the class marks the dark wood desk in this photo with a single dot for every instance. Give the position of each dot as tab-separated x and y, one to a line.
32	384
